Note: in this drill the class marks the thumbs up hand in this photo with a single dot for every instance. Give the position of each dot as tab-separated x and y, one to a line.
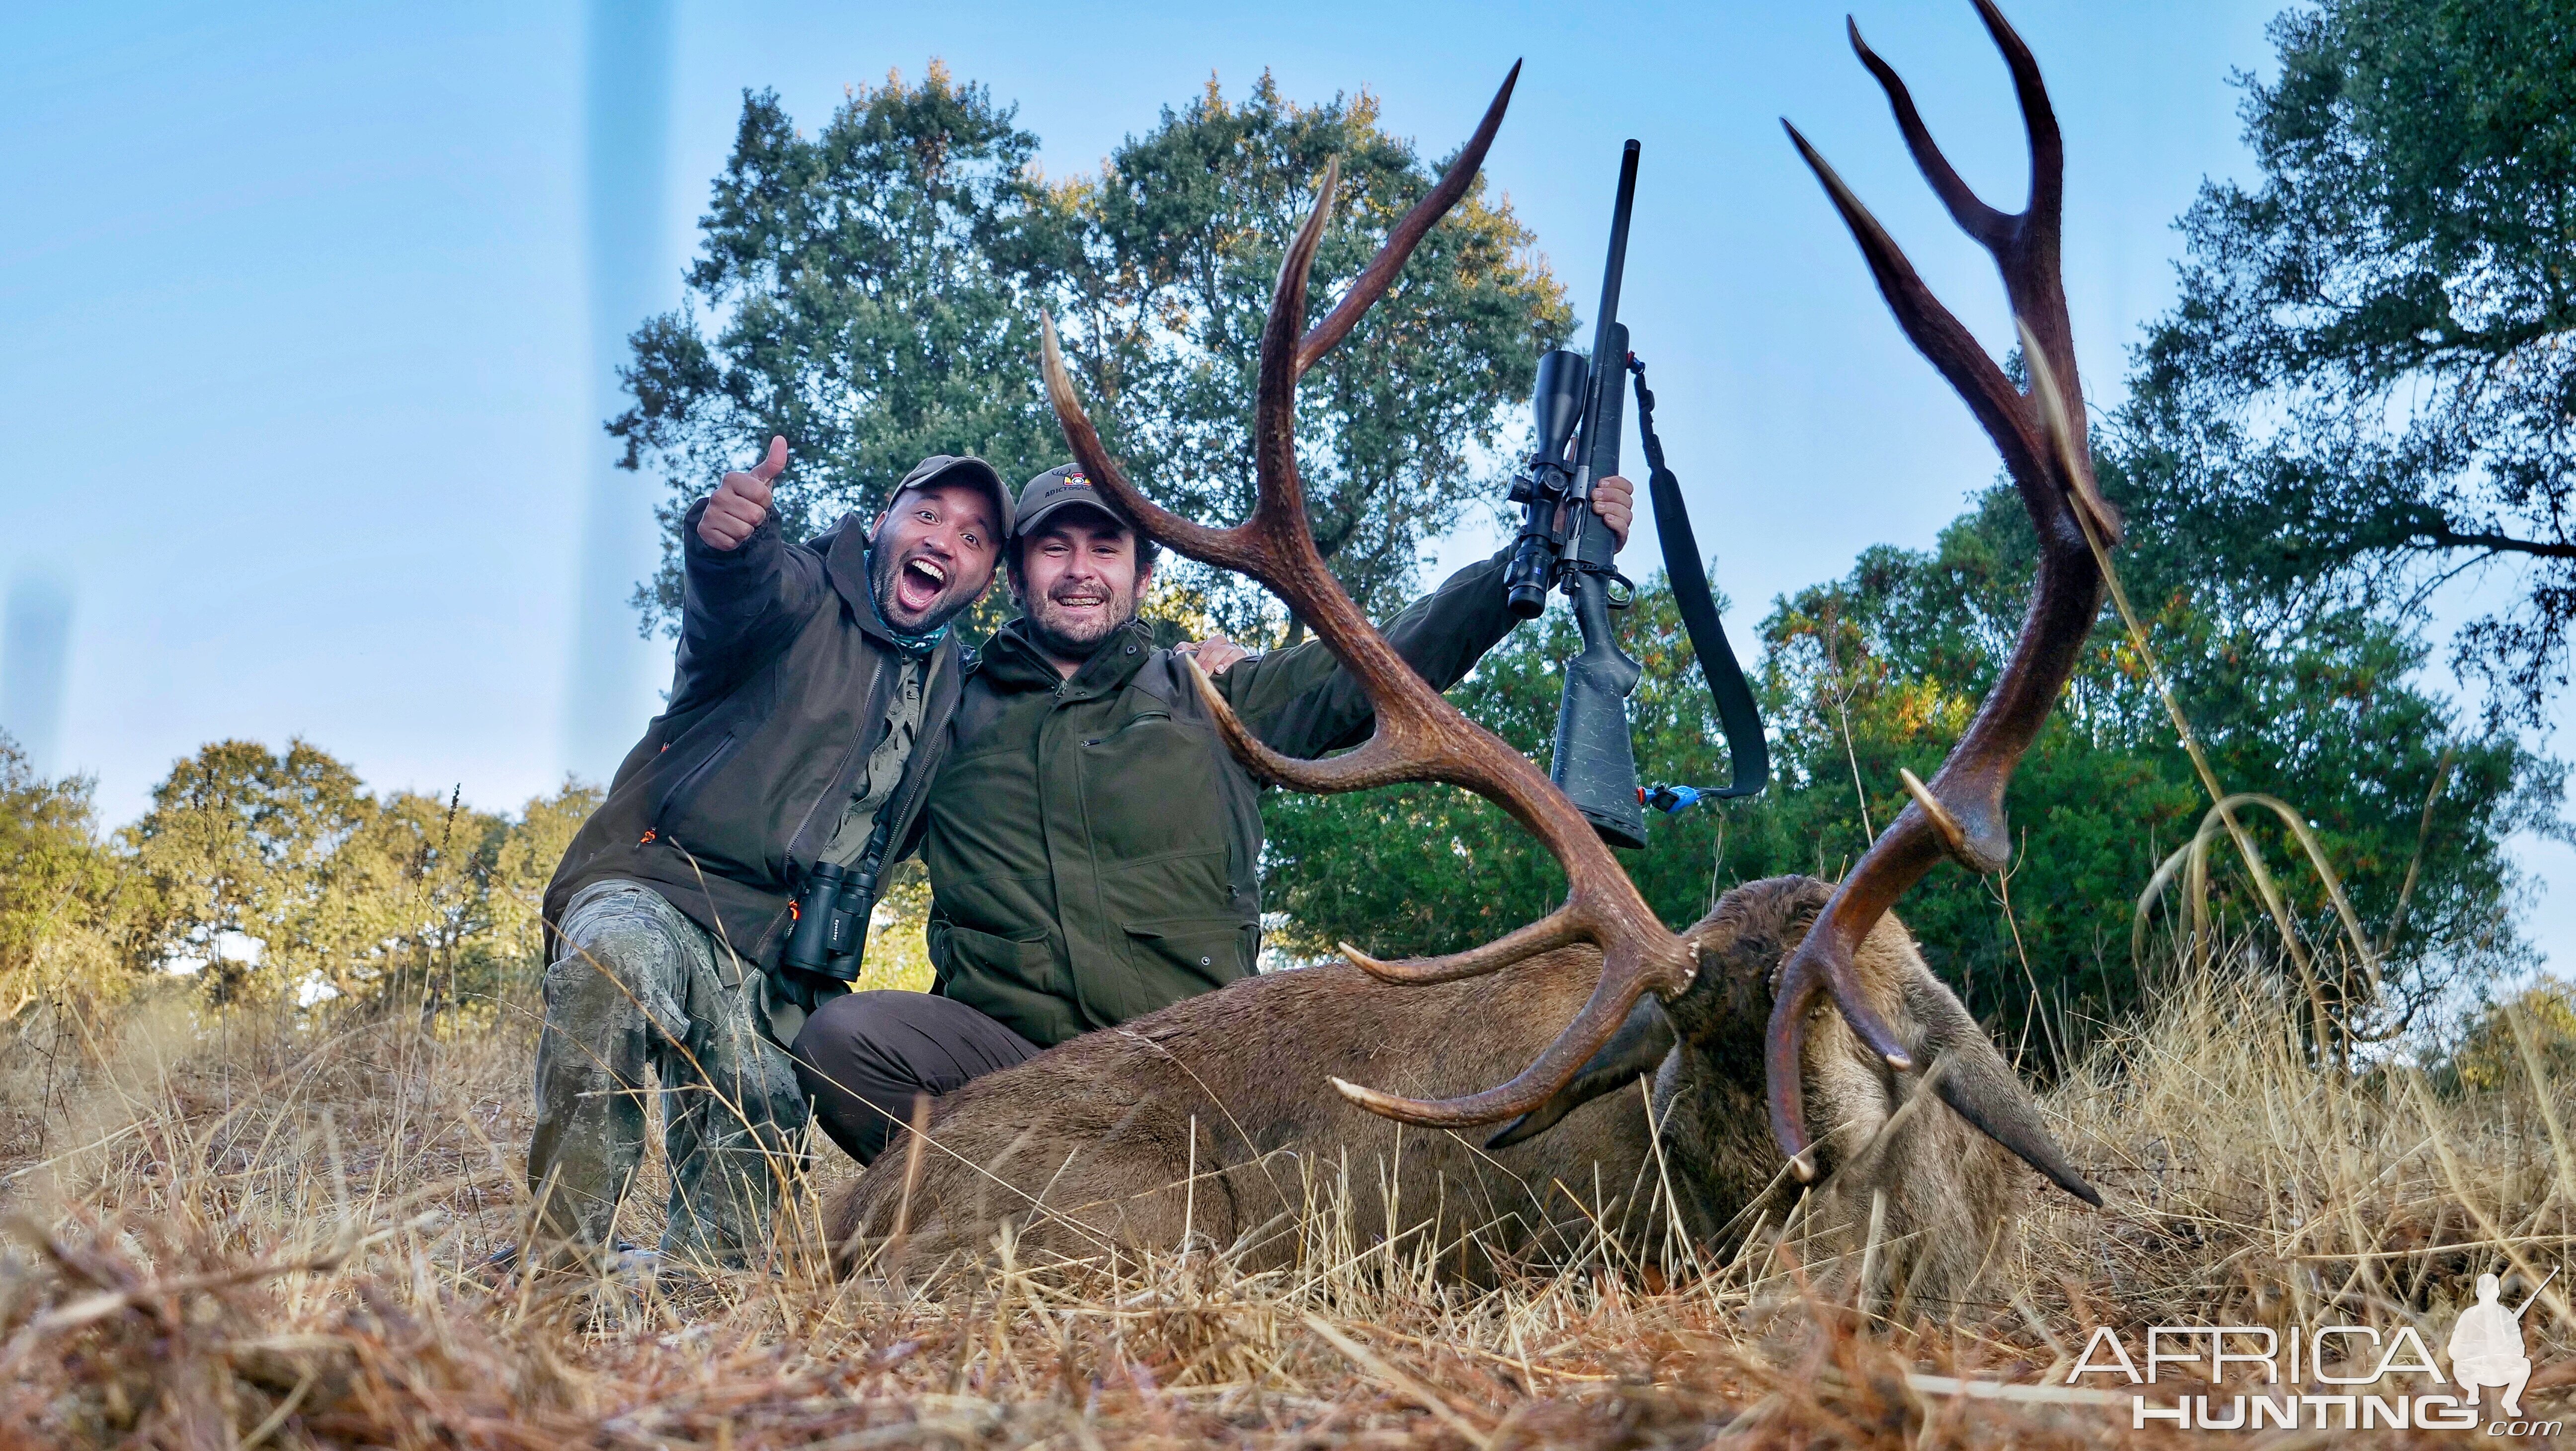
741	501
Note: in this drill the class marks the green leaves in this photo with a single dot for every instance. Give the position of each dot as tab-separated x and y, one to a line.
57	885
416	896
404	899
848	296
2366	381
873	293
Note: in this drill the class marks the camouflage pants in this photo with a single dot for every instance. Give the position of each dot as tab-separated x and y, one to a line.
636	988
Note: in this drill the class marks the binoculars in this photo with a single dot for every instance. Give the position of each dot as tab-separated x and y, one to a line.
831	922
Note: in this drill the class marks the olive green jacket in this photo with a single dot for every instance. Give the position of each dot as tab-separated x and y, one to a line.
1095	851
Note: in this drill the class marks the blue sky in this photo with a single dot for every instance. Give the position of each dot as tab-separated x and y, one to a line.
301	409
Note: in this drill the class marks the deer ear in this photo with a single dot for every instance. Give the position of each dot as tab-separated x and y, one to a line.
1975	1080
1640	1046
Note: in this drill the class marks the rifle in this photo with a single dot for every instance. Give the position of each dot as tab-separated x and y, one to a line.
1563	544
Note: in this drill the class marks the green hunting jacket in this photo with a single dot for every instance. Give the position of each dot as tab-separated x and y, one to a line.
1095	850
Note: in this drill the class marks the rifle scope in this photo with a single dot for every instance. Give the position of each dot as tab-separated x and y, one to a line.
1558	405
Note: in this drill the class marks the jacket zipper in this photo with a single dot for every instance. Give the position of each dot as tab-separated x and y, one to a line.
673	798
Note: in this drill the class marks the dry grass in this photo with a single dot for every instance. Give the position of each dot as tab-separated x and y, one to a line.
232	1234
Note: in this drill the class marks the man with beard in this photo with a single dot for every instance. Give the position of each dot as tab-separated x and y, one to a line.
811	698
1094	849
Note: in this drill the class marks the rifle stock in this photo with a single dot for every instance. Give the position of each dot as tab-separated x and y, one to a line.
1593	762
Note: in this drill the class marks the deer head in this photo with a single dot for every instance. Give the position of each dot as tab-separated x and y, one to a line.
1420	736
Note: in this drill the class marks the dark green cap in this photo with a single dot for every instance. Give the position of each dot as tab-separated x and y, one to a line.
1058	489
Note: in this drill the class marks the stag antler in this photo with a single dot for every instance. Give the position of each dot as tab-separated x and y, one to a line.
2041	436
1419	735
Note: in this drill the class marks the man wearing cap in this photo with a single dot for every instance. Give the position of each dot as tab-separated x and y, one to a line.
808	710
1094	849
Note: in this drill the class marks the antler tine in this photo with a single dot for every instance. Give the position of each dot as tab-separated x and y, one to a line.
2024	243
1419	734
1373	281
1621	985
1394	754
1985	223
2039	123
1935	331
1557	929
1279	498
1225	548
2035	227
1961	811
1391	755
2029	261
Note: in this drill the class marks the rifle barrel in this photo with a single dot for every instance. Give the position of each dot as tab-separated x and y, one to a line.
2535	1294
1608	312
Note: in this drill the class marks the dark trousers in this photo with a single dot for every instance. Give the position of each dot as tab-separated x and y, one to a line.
865	1057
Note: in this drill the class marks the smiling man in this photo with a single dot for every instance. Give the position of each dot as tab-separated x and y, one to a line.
810	702
1094	849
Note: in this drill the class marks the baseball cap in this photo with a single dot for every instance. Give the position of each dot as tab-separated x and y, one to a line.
952	468
1059	489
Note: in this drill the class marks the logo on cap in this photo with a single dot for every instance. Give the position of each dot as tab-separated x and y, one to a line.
1077	479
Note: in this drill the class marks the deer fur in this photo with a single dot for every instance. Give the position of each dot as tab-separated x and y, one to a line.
1090	1148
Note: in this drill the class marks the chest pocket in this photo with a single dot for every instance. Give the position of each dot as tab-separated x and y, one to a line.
1149	787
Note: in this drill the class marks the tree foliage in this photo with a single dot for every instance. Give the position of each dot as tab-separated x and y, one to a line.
847	295
244	843
57	886
1161	270
873	292
274	877
2367	381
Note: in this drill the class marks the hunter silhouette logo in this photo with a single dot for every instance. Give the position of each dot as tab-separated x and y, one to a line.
2363	1377
2486	1346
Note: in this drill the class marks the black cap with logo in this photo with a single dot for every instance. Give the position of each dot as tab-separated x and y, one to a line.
950	468
1059	489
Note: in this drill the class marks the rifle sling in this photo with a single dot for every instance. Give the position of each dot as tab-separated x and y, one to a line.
1746	750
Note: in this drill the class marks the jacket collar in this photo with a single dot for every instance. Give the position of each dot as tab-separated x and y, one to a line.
1008	662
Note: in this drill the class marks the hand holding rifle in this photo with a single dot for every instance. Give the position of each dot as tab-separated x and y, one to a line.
1614	501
